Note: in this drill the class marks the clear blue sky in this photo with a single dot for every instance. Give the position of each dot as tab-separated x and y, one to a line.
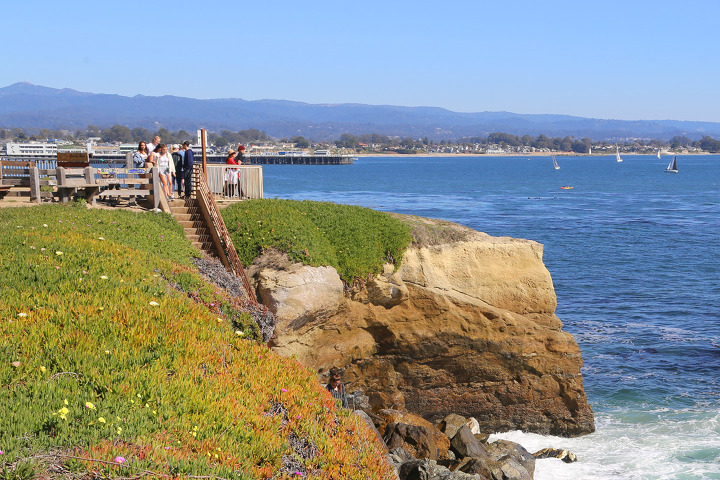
630	59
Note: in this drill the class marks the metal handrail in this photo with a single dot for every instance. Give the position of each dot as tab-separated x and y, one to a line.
205	197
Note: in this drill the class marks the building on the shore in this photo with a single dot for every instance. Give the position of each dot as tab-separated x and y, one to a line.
35	149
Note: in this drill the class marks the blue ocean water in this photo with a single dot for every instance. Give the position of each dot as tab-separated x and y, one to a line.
634	253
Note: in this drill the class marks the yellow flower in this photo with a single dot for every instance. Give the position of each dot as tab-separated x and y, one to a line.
239	333
58	253
66	402
22	314
154	303
103	277
43	369
90	405
107	352
101	419
101	238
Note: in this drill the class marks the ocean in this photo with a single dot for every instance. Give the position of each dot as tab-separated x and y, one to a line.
634	253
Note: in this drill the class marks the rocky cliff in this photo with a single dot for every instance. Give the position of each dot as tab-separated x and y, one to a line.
465	325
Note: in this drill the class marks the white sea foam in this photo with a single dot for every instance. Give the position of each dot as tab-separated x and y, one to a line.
655	445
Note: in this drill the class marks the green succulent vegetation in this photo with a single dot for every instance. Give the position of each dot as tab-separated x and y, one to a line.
118	360
356	241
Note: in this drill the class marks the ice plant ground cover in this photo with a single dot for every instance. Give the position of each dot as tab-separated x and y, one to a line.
118	360
357	241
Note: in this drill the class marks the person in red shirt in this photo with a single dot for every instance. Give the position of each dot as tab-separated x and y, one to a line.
231	175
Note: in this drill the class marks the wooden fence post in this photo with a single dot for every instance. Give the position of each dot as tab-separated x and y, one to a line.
35	184
156	187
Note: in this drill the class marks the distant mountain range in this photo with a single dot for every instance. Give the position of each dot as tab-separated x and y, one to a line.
31	106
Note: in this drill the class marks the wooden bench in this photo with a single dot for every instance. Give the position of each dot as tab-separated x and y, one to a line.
22	175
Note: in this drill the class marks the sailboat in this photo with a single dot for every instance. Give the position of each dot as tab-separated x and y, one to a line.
555	164
589	150
672	166
658	154
617	154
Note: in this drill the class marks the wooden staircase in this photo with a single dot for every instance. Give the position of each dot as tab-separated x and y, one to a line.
188	214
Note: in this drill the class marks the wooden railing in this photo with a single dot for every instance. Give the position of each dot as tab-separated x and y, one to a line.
207	204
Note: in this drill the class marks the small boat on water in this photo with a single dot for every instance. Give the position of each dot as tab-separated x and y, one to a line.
672	166
555	164
658	155
617	154
566	187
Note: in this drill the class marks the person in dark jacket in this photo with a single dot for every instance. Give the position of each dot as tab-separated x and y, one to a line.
178	162
188	168
336	387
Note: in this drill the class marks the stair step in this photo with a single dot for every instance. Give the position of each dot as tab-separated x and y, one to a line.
206	246
192	223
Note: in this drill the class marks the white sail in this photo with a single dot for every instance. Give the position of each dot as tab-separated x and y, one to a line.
555	164
672	166
617	154
658	154
589	150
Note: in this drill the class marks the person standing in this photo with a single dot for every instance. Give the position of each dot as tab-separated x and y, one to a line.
155	142
231	175
178	162
140	156
336	387
188	163
166	169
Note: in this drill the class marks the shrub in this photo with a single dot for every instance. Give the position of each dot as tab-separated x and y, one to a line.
118	360
356	241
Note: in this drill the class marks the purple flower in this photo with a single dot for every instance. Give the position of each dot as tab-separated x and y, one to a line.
119	460
283	389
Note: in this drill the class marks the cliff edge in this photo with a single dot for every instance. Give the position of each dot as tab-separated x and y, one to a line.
466	325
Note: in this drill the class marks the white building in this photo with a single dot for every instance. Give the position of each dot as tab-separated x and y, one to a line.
31	149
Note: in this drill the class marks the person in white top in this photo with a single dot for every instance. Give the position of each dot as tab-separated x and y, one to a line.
166	169
154	144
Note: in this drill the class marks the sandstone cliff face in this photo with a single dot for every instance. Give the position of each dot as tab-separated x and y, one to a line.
466	327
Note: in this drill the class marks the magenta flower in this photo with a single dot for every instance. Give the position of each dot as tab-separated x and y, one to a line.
283	389
119	460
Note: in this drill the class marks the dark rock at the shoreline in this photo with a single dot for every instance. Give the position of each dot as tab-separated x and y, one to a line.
417	440
464	444
503	449
564	455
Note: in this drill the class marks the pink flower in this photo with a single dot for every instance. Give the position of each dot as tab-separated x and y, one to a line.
283	389
119	460
298	417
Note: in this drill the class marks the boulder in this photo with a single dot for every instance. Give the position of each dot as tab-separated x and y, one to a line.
473	425
301	294
464	445
564	455
430	470
503	451
416	440
451	424
371	425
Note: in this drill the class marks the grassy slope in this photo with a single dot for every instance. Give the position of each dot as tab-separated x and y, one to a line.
100	357
354	240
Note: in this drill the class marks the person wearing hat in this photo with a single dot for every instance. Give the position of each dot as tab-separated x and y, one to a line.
231	174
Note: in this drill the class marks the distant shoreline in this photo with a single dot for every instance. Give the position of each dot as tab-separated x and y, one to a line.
533	154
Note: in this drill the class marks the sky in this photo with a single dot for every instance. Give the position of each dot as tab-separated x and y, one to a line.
630	59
